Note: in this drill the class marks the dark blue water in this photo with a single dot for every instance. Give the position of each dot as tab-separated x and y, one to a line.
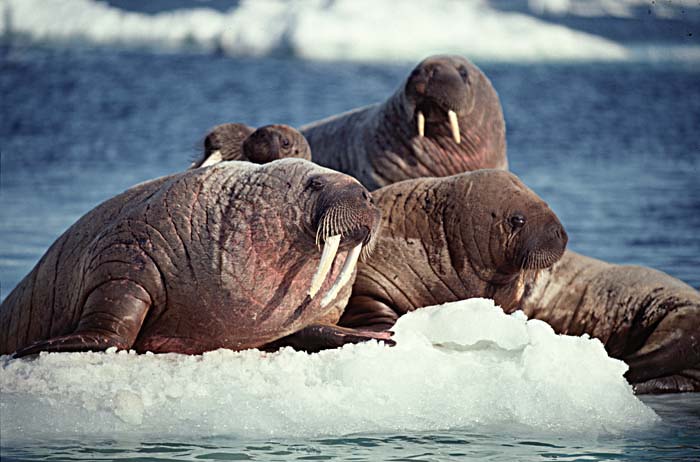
614	149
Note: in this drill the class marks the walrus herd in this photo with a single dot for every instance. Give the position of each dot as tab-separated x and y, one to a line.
255	246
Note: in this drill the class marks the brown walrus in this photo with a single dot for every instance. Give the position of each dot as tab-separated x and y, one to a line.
445	118
226	256
235	141
447	239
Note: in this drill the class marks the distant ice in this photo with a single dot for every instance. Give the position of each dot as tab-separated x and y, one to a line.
613	8
463	365
366	30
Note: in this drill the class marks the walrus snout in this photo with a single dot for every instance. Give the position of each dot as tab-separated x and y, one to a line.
543	249
558	231
348	211
222	143
438	90
262	146
346	219
273	142
439	82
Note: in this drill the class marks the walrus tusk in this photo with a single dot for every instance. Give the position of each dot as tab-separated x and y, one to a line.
421	124
330	248
345	275
454	124
214	158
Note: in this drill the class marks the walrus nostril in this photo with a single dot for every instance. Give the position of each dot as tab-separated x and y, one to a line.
557	231
436	69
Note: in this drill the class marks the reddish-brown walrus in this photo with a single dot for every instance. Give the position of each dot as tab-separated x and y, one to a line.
447	239
235	141
445	118
226	256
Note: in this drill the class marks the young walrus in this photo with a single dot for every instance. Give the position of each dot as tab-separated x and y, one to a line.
445	118
241	142
484	234
227	256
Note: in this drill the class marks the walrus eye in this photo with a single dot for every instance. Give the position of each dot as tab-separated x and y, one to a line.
316	184
285	143
517	221
463	73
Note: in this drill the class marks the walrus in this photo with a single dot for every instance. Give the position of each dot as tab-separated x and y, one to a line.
227	256
236	141
445	118
452	238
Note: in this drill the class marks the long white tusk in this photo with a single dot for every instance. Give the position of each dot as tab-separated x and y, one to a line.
214	158
454	124
421	124
330	248
345	275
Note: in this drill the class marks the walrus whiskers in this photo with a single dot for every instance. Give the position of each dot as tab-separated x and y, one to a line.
454	125
330	248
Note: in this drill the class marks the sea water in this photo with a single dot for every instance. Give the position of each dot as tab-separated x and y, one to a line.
605	132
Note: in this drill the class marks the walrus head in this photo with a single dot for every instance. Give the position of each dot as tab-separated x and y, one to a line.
235	141
503	226
223	142
344	217
273	142
438	92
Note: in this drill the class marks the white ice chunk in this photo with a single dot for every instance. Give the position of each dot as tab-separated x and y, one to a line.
463	365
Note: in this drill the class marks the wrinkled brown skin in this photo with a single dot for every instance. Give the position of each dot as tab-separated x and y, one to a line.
380	145
217	257
235	141
448	239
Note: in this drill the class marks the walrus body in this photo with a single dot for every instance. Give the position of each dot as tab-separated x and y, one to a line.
219	257
235	141
446	109
447	239
645	317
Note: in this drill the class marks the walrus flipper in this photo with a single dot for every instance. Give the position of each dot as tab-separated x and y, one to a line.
684	382
112	317
367	313
673	346
317	337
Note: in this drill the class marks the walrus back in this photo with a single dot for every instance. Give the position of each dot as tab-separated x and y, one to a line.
341	142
